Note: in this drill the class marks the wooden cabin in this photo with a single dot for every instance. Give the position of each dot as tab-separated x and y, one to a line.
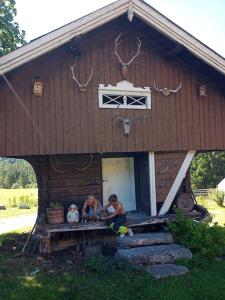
119	101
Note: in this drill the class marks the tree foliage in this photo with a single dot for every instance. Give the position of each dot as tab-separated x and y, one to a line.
207	170
16	173
10	34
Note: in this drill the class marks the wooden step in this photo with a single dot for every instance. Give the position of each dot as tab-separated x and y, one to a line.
150	255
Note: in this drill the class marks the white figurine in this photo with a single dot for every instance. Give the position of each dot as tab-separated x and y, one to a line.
73	214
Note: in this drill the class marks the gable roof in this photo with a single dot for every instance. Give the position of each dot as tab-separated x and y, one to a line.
83	25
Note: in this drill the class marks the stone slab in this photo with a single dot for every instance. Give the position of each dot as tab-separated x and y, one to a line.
150	255
144	239
166	270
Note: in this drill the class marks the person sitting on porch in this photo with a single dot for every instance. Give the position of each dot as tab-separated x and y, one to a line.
117	220
91	208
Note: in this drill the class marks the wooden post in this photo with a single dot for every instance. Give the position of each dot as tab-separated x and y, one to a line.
151	160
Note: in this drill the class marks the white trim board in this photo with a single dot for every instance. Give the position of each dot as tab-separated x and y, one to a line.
177	182
81	26
124	88
151	161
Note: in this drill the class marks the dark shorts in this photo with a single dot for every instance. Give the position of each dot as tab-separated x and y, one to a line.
118	221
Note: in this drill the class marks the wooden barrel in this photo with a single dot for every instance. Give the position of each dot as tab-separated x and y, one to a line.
55	215
185	202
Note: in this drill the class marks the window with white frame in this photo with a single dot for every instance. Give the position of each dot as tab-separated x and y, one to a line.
124	95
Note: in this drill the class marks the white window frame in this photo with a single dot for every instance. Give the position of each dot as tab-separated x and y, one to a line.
124	88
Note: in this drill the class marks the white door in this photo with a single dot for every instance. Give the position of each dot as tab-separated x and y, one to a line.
118	178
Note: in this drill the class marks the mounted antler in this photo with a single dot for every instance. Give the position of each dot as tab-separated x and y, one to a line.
126	122
82	86
166	91
125	65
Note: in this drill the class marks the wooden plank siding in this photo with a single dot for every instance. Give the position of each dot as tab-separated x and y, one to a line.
167	166
72	122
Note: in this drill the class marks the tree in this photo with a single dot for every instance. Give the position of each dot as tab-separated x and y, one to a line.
207	170
10	34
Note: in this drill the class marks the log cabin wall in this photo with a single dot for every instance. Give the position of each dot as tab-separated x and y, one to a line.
67	179
72	122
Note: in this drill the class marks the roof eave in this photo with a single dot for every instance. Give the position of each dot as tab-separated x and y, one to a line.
172	31
81	26
61	36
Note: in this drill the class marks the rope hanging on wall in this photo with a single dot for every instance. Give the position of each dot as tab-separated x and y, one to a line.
84	168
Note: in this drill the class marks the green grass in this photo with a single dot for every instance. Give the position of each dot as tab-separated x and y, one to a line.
16	212
6	194
217	212
104	279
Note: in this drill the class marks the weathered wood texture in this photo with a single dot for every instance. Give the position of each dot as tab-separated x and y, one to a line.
60	180
167	166
72	122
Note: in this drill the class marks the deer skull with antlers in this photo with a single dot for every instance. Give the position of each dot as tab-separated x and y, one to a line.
125	65
82	86
166	91
126	123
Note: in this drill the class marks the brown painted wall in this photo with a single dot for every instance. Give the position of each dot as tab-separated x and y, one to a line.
167	166
71	122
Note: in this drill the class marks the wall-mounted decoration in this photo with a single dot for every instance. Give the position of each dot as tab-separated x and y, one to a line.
202	90
124	95
166	91
38	88
125	65
74	46
168	165
82	86
126	122
130	11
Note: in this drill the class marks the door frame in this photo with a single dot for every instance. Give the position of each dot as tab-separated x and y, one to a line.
149	192
134	185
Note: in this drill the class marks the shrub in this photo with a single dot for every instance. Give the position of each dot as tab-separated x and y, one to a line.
199	237
16	186
28	199
217	196
12	202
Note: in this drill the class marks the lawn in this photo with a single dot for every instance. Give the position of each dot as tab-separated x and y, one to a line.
7	195
16	212
13	197
68	276
217	212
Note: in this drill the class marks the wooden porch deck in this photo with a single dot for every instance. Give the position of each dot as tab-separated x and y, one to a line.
78	233
133	220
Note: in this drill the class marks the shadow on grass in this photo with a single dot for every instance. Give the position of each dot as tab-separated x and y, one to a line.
99	278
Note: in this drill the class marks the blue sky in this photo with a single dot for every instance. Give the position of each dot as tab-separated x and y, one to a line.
205	19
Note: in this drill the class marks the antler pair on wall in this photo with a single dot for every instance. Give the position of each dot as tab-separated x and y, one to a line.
82	86
125	65
166	91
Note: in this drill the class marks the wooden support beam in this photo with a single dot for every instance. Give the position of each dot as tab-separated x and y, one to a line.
177	182
151	160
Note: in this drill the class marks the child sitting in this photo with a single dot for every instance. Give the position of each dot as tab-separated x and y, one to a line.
91	208
117	220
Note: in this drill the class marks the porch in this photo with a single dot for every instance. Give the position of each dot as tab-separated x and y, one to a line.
60	236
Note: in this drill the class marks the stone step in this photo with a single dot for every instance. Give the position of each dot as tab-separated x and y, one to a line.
166	270
144	239
150	255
